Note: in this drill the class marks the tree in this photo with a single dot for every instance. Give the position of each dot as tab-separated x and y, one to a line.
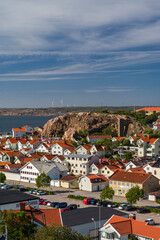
19	225
2	177
108	192
127	156
43	180
133	237
59	233
134	194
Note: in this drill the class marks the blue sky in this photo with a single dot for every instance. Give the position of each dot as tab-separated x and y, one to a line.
79	53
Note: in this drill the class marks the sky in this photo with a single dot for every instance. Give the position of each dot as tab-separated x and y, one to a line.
79	53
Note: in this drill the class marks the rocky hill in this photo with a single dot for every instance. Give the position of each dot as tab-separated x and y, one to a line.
71	123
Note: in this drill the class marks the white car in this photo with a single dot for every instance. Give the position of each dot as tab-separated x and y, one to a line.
122	206
150	221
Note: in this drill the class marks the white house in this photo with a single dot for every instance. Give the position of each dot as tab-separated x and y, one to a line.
30	171
93	183
120	228
43	148
97	150
148	147
78	164
19	132
59	147
83	149
22	131
11	199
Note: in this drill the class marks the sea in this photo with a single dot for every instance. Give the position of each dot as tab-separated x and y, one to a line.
9	122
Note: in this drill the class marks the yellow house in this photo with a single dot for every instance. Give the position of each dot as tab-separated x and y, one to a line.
69	181
121	182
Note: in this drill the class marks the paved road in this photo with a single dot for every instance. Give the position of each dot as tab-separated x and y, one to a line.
61	196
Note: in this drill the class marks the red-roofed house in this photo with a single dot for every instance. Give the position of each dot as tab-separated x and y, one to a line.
93	183
121	228
149	110
148	147
122	181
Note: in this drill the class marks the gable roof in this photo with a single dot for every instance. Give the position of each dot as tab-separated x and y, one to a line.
96	178
130	177
68	178
127	226
149	109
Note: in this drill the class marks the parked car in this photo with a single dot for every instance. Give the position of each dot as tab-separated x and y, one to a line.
6	187
93	201
22	189
45	202
143	210
122	206
103	203
41	200
112	205
150	221
49	204
35	192
129	208
87	200
72	206
61	205
53	204
66	209
31	191
41	193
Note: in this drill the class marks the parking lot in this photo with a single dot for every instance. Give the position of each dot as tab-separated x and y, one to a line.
61	196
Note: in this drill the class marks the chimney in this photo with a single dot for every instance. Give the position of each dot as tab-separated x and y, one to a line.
132	216
22	206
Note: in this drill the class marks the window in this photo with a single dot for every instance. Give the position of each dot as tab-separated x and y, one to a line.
110	182
110	236
119	183
123	183
155	172
123	191
115	183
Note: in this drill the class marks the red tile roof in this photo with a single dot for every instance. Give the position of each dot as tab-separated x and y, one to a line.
149	109
95	178
130	177
126	226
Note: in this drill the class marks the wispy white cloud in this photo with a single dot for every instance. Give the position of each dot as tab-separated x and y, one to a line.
91	91
77	26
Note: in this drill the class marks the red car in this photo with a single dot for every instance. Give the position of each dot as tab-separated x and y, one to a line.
87	200
41	201
45	202
66	209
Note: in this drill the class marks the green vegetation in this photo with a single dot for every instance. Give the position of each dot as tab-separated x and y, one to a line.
127	156
108	131
19	225
152	133
59	233
133	237
75	144
152	209
2	177
140	116
43	180
134	194
108	193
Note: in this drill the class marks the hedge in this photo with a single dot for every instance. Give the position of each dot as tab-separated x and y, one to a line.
154	210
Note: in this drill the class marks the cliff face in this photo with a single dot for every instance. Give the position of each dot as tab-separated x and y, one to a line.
94	122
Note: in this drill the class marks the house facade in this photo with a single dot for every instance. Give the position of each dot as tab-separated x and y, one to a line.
148	147
78	164
120	228
93	183
30	171
121	182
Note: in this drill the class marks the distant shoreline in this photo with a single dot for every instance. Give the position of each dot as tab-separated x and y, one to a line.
59	110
